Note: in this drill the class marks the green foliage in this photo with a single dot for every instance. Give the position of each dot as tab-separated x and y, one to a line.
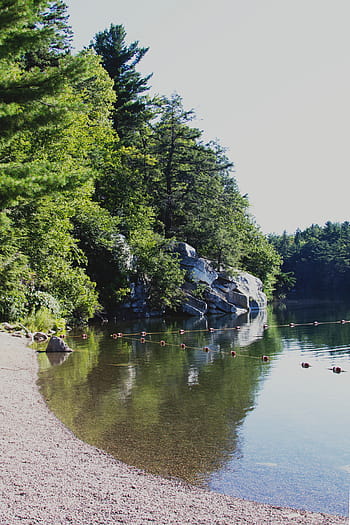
120	61
157	268
86	214
43	320
318	258
14	273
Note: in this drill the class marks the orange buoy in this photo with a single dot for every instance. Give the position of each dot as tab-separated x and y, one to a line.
182	345
265	326
143	334
181	332
291	325
265	358
304	364
211	329
84	336
233	353
62	336
142	340
119	334
114	336
162	343
342	321
315	323
206	349
337	370
238	327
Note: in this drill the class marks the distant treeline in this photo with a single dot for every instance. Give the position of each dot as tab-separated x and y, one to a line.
316	261
97	178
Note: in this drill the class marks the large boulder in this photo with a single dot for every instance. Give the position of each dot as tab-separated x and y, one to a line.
235	292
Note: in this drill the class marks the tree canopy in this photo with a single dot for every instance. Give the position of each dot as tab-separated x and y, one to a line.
97	179
317	259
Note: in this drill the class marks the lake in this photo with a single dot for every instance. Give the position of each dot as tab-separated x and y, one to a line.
205	406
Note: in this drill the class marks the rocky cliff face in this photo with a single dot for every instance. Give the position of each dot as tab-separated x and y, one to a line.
220	292
206	290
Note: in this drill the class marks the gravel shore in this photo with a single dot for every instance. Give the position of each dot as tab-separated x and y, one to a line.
48	476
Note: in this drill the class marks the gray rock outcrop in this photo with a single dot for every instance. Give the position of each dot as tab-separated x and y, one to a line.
221	292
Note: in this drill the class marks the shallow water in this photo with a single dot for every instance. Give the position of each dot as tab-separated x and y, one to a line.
270	431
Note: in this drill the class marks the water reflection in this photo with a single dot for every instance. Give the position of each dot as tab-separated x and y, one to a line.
172	411
270	431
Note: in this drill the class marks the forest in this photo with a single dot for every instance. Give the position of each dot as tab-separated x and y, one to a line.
316	262
98	178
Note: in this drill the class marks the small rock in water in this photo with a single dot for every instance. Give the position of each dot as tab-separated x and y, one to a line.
56	344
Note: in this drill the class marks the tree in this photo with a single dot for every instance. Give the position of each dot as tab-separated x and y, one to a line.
120	61
37	108
55	19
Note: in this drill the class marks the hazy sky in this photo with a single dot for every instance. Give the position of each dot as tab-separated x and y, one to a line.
269	78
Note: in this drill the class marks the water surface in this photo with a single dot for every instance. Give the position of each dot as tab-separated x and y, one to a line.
271	430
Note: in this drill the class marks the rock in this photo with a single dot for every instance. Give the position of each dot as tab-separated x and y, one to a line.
8	326
199	270
194	306
17	334
251	287
56	344
39	337
184	250
219	303
233	293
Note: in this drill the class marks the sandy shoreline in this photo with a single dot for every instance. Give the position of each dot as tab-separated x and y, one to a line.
48	476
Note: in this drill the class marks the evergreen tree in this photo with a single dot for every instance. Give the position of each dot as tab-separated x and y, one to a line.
38	109
55	19
120	61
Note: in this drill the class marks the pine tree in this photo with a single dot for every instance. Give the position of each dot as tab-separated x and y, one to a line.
34	104
120	61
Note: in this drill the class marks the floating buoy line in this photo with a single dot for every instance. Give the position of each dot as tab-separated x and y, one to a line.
143	338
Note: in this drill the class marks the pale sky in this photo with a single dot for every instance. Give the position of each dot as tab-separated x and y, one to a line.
269	78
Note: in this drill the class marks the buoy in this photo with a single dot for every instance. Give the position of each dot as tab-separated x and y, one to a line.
336	369
291	325
143	334
162	343
315	323
265	358
211	329
238	327
142	340
233	353
114	336
181	332
206	349
119	334
304	364
62	336
343	321
265	326
84	336
182	345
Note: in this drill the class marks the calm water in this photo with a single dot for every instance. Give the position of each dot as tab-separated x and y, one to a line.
269	431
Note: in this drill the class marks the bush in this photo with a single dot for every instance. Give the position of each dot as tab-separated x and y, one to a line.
43	320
